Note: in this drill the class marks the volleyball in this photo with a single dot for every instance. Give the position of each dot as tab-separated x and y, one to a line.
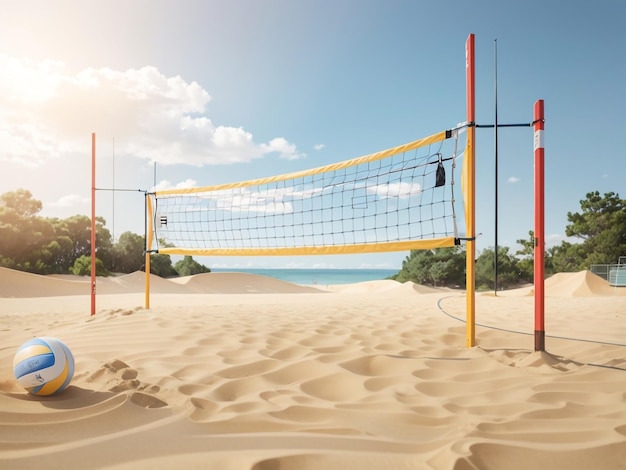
43	366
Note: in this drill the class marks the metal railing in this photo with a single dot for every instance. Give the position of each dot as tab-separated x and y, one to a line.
614	274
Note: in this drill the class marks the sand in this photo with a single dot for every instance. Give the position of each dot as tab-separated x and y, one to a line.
234	371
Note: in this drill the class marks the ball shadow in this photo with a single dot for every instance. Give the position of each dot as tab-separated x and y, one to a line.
72	397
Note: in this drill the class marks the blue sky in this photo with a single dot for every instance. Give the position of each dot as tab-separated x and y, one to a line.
223	91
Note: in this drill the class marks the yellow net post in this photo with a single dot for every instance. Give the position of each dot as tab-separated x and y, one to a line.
149	237
470	196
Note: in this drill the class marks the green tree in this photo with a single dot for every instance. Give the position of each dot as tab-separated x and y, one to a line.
21	202
46	259
438	272
21	230
127	255
601	225
161	265
415	267
440	267
68	240
526	258
569	257
508	271
82	267
78	229
188	267
60	252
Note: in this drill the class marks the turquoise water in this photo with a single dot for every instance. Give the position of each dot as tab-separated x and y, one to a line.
318	276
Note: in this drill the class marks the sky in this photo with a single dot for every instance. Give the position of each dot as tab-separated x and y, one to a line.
201	92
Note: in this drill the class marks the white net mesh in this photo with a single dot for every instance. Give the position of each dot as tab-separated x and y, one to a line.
399	199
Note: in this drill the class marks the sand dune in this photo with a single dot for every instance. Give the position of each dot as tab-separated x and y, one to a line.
235	371
582	284
239	283
18	284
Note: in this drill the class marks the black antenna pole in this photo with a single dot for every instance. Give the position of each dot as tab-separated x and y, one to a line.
113	192
495	258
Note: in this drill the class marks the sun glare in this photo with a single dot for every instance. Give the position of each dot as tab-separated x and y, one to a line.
27	81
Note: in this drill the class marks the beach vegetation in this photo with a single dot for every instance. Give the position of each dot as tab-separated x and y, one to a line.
189	266
510	274
161	265
441	267
601	227
82	267
50	245
525	257
127	255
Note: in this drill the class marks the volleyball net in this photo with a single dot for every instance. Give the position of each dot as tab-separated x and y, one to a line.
399	199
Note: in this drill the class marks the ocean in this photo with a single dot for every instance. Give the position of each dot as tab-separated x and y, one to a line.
317	276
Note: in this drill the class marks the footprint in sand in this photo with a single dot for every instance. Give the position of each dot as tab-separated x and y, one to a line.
120	377
145	400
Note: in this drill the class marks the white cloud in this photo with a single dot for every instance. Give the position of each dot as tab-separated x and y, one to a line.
66	206
283	148
401	190
513	179
46	111
165	184
242	200
70	200
319	146
271	201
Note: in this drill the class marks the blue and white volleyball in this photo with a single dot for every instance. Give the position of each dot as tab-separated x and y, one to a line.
43	366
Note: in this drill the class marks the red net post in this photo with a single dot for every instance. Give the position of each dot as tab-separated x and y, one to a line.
538	121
